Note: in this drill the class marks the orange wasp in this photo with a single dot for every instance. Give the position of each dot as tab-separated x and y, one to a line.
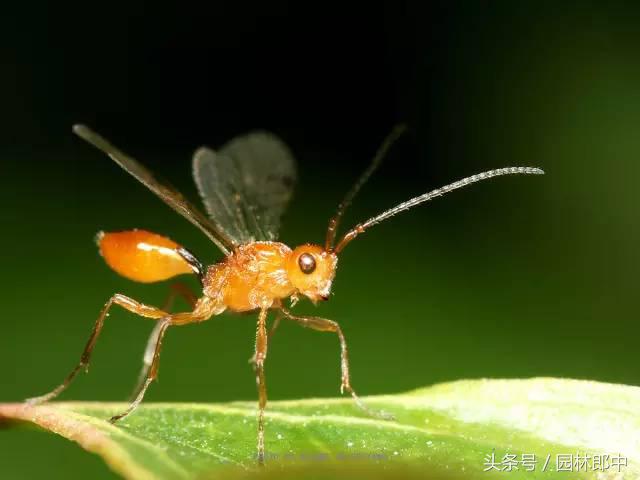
245	187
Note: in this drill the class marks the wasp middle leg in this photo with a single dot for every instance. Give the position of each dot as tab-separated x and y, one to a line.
260	355
272	330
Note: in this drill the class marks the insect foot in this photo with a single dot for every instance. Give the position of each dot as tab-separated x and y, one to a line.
379	414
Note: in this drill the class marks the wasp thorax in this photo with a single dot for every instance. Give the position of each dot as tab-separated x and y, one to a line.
311	270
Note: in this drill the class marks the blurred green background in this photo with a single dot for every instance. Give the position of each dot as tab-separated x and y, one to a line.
515	277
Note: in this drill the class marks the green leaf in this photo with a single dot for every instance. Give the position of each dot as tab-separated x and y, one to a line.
445	431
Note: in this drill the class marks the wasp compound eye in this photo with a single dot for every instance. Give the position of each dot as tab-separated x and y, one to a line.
307	263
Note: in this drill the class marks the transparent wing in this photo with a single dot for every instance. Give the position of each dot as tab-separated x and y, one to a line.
168	194
246	185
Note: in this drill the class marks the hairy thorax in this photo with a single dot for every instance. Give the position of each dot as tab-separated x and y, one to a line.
252	277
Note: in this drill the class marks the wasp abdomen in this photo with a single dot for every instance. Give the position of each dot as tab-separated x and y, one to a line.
142	256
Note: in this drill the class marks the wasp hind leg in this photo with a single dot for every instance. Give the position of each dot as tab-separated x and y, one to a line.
198	315
152	372
118	299
326	325
177	289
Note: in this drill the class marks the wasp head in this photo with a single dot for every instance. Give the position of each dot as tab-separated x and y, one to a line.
311	270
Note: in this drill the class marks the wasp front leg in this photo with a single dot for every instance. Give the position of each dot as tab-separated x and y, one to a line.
326	325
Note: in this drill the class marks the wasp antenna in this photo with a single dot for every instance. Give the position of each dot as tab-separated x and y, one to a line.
332	229
95	139
88	135
78	127
438	192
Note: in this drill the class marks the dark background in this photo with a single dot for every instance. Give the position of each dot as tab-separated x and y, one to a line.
515	277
